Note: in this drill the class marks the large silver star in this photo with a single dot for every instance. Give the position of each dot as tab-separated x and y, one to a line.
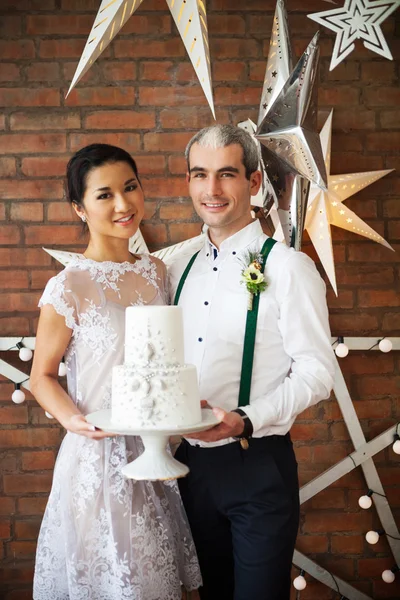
357	19
288	130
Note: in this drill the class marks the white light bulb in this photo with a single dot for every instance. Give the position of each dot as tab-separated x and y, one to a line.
18	396
396	447
341	350
25	354
372	537
48	415
388	576
299	583
385	345
365	502
62	369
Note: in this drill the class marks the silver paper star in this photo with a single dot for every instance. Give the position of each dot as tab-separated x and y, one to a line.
357	19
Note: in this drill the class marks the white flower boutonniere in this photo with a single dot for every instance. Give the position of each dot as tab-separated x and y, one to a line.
253	277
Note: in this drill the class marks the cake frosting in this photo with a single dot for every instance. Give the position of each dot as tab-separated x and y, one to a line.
154	389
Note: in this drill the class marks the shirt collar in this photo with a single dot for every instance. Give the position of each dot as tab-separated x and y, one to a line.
239	240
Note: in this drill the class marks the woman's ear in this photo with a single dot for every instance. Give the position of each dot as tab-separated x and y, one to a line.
79	211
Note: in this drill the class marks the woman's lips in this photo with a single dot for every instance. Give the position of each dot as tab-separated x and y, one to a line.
128	221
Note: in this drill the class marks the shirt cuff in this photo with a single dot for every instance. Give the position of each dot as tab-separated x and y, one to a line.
260	421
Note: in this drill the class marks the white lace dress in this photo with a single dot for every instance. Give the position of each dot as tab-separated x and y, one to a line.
105	537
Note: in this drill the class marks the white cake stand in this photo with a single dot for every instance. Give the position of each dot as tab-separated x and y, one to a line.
156	462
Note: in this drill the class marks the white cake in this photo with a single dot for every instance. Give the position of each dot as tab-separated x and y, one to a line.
154	389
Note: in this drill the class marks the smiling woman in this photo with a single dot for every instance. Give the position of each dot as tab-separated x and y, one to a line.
100	531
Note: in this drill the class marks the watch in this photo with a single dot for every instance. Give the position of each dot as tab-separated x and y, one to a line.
248	428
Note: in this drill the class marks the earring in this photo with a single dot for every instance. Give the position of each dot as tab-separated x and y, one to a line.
83	217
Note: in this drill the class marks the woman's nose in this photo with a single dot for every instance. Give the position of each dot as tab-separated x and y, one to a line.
121	203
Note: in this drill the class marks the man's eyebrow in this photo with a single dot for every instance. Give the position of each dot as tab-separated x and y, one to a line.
106	188
226	169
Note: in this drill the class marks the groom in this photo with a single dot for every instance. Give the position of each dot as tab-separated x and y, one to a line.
262	359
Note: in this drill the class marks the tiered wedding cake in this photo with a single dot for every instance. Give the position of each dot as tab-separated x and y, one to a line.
154	389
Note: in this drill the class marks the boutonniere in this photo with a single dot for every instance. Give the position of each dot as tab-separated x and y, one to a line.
253	276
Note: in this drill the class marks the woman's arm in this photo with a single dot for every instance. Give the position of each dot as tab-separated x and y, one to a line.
53	337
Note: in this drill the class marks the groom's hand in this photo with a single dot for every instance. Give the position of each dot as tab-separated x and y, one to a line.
231	425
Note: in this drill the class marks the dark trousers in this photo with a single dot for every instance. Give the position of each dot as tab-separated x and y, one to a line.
243	509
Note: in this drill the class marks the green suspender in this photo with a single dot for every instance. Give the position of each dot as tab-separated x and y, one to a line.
250	334
251	325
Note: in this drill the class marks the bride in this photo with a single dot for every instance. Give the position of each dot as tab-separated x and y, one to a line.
103	537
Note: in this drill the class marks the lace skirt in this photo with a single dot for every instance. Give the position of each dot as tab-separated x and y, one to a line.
105	537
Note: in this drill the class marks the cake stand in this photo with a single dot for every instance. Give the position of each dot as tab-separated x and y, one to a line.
156	462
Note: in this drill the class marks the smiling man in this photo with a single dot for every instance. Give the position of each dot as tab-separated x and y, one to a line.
262	358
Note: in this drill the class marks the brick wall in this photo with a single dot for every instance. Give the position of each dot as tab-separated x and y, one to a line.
143	95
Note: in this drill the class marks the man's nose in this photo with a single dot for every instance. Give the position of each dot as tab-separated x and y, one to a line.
214	186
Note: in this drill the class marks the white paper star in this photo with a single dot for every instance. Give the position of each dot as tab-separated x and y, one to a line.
357	19
190	18
325	208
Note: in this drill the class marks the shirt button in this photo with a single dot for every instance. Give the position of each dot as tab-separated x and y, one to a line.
206	303
208	254
200	339
233	252
215	269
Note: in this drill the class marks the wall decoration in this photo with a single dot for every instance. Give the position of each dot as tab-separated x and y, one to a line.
357	20
190	17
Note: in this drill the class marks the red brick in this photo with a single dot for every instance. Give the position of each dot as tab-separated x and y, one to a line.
391	321
62	48
22	257
353	324
38	461
61	211
150	164
364	275
229	71
33	4
120	119
368	363
101	96
354	119
381	386
389	119
19	189
339	95
373	253
309	431
50	166
10	26
236	96
13	280
382	141
188	118
40	278
177	165
50	235
92	75
21	550
27	483
13	415
43	71
347	544
30	143
9	234
150	209
329	455
119	71
18	302
329	521
31	506
128	141
227	24
7	167
374	71
5	529
330	498
369	298
346	71
58	24
381	96
373	567
27	530
345	299
235	48
53	120
147	25
175	142
8	326
183	231
16	49
174	210
353	162
7	505
9	72
142	48
164	188
157	70
171	96
154	235
312	544
17	574
27	211
29	97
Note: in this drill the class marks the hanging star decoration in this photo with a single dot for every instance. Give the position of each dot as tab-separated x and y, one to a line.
190	18
326	208
357	20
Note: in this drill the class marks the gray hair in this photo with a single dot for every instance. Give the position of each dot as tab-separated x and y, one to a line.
220	136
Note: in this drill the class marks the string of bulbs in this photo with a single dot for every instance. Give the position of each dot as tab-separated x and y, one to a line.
341	350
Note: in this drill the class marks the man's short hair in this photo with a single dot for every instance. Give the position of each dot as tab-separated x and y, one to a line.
220	136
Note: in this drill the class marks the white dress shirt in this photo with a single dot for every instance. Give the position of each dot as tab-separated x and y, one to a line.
293	359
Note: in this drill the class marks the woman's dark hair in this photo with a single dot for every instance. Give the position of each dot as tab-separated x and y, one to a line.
89	158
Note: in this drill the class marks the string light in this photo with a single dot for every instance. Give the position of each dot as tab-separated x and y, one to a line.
365	501
62	369
384	344
389	575
341	349
300	583
372	537
18	396
396	445
25	354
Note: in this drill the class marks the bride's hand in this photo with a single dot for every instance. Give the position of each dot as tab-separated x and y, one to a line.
78	424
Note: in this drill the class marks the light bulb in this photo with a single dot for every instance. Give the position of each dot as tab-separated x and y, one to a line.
365	502
396	447
299	583
62	369
25	354
372	537
341	350
48	415
388	576
385	345
18	396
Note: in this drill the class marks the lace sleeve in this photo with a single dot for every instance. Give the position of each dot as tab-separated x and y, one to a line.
56	294
162	279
